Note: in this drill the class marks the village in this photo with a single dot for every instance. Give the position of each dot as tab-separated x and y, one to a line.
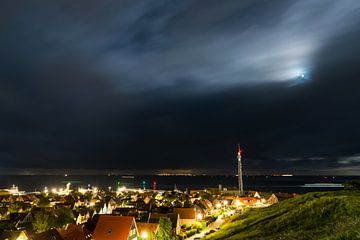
94	214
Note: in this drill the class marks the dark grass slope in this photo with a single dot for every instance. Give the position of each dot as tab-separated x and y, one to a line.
326	215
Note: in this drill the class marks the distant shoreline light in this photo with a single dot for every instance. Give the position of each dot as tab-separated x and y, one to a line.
323	185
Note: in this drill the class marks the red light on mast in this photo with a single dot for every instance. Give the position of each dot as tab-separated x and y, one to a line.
239	150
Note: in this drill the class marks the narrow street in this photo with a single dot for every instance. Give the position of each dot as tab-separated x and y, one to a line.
212	226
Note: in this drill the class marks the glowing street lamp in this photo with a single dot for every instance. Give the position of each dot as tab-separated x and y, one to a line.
199	216
144	235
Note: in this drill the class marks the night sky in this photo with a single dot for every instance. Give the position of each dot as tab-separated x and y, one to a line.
147	85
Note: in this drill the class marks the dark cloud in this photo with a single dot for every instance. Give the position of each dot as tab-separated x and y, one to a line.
164	84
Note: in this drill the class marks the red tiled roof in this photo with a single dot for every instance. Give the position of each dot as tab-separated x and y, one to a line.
113	227
248	200
73	232
186	213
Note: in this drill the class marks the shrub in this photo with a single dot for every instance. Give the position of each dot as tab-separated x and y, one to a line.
191	232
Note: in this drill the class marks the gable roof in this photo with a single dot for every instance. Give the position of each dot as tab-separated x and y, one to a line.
113	227
248	200
186	213
73	232
4	210
13	234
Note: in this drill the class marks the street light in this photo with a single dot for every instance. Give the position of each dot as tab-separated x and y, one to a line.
199	216
144	235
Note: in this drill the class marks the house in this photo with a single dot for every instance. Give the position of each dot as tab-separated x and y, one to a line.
122	211
159	197
24	220
4	213
263	196
203	206
177	203
79	203
107	209
272	199
112	204
187	215
208	204
147	200
82	215
267	198
33	200
248	201
14	235
257	195
147	230
115	228
74	232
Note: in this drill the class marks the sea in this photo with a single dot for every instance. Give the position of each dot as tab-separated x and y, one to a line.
289	184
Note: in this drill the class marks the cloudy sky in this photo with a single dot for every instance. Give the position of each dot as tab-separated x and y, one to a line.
154	84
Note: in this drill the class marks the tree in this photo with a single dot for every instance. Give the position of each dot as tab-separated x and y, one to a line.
206	195
64	216
15	207
42	222
7	225
44	202
165	230
188	204
88	196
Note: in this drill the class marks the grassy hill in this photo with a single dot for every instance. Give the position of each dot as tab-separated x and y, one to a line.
326	215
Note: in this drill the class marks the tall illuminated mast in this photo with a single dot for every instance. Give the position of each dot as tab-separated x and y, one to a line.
240	178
